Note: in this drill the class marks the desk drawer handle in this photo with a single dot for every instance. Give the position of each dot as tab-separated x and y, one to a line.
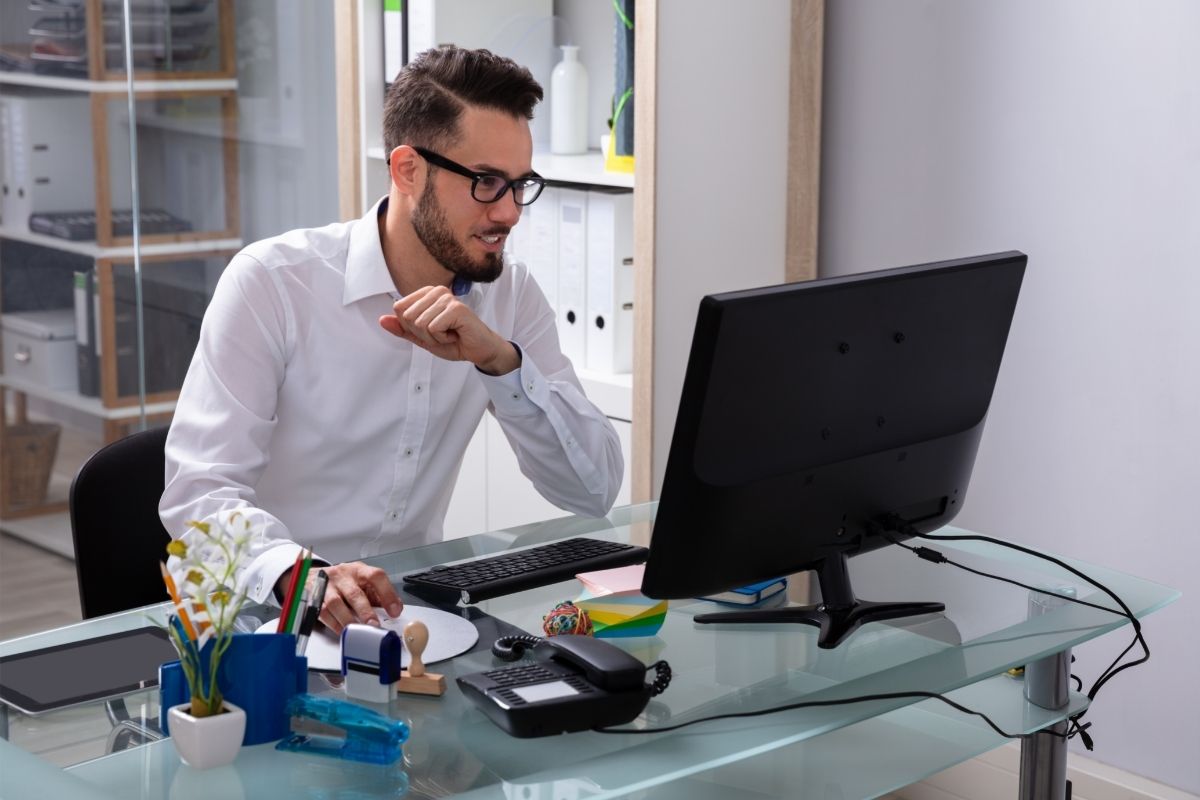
23	355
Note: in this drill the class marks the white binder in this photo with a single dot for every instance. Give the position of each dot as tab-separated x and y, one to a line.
609	337
538	244
516	244
572	274
44	162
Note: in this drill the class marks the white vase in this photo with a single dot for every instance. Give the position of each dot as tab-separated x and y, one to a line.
204	742
568	104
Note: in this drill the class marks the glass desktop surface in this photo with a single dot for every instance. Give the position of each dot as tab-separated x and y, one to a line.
857	750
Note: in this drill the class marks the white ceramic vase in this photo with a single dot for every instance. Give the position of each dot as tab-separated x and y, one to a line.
204	742
568	104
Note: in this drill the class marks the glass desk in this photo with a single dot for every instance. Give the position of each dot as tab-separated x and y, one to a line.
856	750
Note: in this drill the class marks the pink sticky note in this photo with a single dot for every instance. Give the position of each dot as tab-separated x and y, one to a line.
611	581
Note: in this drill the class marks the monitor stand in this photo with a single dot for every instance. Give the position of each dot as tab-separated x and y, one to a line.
838	616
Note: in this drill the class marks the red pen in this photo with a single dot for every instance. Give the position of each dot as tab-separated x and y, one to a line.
290	596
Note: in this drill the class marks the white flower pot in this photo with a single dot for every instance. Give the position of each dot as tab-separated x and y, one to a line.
205	742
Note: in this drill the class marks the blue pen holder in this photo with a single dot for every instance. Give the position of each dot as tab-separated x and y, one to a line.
259	673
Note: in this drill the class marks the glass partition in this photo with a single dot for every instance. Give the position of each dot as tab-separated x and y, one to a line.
225	133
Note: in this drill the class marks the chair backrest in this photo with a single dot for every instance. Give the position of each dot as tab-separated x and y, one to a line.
119	538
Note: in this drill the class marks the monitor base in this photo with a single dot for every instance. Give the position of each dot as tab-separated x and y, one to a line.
837	617
835	623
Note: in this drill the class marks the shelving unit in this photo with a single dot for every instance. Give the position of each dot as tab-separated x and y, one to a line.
184	89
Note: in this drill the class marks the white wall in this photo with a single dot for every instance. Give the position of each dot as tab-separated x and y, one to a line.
721	173
1069	130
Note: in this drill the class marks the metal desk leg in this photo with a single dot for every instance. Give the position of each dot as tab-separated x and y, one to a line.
1044	765
3	721
1044	754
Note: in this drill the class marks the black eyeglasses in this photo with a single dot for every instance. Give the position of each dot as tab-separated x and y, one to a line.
488	188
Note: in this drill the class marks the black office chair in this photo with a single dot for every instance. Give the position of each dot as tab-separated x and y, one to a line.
119	539
119	543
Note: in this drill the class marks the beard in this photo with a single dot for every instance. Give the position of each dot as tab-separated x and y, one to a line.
433	229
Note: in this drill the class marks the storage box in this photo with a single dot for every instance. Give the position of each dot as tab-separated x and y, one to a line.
39	347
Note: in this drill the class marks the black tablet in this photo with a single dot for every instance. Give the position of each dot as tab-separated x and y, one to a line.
79	672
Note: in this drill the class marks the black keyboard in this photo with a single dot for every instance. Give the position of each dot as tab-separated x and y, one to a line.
508	573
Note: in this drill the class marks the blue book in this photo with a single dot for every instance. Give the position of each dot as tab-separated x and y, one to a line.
749	595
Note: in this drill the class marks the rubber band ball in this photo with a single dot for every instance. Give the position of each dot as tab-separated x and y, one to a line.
566	617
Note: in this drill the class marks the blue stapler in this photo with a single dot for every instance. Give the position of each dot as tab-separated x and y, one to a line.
368	735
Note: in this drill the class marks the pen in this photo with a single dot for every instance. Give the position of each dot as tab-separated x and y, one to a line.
290	597
299	598
311	613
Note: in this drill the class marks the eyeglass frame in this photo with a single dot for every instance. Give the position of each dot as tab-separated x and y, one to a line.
439	160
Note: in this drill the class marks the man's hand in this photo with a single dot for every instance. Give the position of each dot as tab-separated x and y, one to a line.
434	319
353	590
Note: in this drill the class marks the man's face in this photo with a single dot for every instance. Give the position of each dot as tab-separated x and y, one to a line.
464	235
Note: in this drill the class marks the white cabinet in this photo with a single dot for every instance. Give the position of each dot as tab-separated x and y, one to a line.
491	492
511	498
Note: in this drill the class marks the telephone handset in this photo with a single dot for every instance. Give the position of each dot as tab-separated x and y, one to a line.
574	683
603	664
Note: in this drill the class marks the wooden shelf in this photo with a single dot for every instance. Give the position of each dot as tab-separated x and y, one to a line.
90	248
116	87
586	169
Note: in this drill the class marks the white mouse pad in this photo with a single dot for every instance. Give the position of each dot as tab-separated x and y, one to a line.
449	636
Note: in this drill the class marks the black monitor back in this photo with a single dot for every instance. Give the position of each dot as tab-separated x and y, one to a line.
813	412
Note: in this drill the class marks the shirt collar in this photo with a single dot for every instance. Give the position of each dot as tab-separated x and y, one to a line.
366	270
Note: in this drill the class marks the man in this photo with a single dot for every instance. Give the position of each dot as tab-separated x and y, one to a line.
301	410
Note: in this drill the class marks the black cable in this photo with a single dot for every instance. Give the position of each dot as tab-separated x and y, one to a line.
662	677
822	703
511	648
1110	672
936	557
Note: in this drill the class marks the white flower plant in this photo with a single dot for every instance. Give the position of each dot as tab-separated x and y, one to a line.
201	576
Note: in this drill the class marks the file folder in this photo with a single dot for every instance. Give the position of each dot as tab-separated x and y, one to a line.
87	333
539	243
572	274
609	293
44	164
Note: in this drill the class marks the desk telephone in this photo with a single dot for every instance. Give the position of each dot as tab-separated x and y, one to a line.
575	683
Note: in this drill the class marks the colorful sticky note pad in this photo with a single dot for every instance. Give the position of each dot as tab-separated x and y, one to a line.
624	614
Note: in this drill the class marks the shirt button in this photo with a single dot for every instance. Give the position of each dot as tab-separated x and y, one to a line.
418	387
516	396
392	515
408	451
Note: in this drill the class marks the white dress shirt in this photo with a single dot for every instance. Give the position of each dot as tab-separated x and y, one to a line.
299	409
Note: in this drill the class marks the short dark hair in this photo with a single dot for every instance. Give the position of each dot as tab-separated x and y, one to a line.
424	103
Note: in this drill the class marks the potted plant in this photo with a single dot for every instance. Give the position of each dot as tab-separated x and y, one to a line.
200	575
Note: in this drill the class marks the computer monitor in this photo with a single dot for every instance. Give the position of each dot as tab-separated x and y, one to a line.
825	419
